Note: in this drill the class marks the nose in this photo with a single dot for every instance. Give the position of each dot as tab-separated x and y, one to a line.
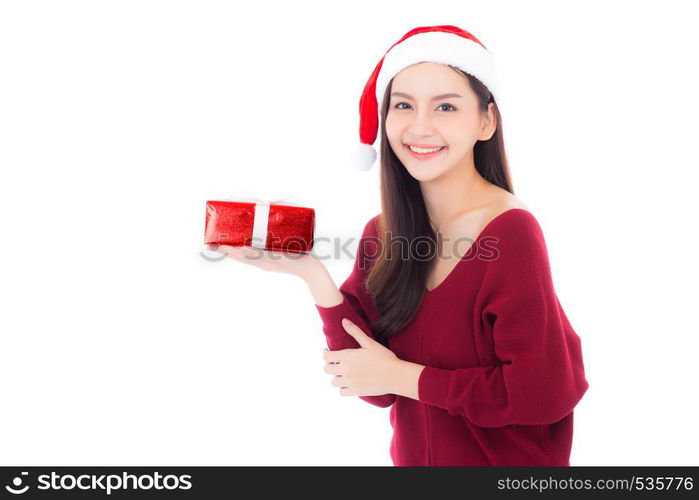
421	124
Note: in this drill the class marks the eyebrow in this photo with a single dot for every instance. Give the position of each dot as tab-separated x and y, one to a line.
435	98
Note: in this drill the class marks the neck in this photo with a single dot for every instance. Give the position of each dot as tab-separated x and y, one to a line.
458	191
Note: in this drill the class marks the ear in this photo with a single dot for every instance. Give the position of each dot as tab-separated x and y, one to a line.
490	123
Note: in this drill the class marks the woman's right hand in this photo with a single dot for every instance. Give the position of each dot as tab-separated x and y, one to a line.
303	265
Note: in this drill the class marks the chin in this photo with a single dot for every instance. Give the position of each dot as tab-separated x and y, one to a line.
424	174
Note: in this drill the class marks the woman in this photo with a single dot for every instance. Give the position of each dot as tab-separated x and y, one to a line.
465	341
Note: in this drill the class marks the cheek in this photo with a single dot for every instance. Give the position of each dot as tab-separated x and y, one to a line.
393	132
457	138
464	128
391	126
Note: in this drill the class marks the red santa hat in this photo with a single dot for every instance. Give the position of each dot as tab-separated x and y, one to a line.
441	44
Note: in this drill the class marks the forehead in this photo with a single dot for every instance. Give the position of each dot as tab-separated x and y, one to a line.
428	78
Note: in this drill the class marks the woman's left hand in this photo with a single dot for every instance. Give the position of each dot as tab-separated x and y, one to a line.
365	371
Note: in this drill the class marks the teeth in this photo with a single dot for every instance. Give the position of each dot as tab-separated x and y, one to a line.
421	150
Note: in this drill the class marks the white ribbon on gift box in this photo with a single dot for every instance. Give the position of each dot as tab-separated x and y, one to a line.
261	221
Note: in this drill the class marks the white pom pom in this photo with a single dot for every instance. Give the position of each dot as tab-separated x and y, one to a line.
363	156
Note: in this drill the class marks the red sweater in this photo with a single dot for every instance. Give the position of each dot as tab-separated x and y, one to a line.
504	367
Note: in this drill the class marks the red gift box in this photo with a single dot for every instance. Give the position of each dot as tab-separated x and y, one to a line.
271	226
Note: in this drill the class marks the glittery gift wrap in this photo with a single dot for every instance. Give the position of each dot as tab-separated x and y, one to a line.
289	228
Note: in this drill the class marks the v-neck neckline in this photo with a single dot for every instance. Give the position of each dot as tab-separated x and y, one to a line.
463	259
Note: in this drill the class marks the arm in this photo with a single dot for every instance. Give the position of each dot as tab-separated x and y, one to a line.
349	301
541	377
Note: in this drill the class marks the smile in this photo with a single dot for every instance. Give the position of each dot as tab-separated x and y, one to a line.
424	155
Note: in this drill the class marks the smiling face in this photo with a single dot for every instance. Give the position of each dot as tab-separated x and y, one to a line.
420	113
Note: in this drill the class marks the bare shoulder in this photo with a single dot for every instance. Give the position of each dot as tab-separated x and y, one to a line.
467	226
521	227
504	201
509	215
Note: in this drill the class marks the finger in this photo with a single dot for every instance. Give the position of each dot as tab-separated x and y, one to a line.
235	252
362	338
252	252
332	368
338	356
338	381
332	356
227	249
231	249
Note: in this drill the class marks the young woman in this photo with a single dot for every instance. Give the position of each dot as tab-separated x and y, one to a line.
449	315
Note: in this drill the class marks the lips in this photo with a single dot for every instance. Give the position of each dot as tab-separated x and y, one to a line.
423	146
424	156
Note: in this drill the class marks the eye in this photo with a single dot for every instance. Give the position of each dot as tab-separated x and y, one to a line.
445	104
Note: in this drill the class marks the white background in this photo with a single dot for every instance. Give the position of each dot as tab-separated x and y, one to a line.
118	120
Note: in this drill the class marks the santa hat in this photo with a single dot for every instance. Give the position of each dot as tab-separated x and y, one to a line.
441	44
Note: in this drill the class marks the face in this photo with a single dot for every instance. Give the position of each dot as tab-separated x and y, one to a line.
417	117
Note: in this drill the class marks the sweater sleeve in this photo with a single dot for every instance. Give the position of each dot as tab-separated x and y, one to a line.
540	377
357	305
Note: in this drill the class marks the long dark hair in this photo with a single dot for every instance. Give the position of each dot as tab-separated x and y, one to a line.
398	285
